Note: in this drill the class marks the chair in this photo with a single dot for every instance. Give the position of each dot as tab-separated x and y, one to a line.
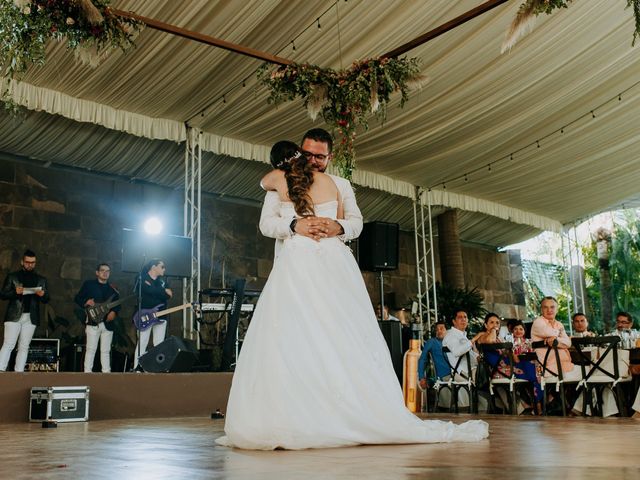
604	366
498	378
550	377
456	381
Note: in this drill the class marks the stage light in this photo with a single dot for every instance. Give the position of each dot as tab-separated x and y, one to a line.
153	226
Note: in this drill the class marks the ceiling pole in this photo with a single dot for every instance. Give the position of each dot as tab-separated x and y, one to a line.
445	27
199	37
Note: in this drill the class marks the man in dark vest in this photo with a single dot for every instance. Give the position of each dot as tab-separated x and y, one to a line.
25	290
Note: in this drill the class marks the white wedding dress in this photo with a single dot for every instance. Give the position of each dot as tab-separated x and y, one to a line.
315	371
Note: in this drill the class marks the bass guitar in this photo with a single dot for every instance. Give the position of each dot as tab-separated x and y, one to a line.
148	317
96	313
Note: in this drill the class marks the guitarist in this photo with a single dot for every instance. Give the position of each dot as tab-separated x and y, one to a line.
155	292
91	293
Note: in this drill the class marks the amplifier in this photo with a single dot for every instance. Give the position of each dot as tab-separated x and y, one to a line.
44	355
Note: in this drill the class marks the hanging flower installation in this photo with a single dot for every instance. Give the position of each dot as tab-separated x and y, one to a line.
344	98
530	9
88	26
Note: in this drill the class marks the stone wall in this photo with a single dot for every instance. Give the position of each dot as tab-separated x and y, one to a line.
73	220
498	277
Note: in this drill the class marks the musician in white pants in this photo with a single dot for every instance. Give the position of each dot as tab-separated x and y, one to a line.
100	330
25	290
155	292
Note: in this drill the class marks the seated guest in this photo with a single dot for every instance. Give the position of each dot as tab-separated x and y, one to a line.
624	322
525	370
580	326
548	329
433	346
458	344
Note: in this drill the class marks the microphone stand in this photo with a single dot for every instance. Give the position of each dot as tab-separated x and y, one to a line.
136	352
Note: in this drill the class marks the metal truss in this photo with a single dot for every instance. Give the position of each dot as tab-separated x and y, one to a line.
192	202
427	308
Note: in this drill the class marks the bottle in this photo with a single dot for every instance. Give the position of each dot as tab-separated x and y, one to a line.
410	375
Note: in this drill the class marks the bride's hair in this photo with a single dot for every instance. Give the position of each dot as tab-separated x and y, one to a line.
288	157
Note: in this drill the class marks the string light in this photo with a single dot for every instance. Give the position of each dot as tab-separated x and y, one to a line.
537	142
204	110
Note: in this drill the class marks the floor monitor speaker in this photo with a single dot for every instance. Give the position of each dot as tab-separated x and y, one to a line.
172	355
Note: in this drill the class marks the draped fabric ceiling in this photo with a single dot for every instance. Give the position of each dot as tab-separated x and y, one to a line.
127	117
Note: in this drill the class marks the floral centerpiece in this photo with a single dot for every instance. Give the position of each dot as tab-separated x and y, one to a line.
530	9
344	98
88	26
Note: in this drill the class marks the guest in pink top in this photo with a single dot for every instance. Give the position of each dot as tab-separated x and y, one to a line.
547	328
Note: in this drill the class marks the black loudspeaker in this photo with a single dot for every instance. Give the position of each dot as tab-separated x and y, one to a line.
378	246
392	332
173	355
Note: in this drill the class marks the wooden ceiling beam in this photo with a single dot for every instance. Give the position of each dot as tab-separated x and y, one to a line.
445	27
206	39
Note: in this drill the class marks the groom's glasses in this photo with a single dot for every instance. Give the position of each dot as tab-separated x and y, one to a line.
318	156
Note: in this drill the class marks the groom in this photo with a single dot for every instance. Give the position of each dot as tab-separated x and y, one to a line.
317	145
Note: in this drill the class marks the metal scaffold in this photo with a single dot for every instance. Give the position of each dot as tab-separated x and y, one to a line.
572	259
192	202
427	304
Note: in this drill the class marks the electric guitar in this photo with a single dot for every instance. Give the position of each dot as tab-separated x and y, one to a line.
148	317
97	313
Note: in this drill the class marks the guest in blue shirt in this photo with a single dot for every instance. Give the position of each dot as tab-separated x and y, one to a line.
434	346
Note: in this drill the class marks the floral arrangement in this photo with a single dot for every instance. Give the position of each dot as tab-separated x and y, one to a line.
530	9
88	26
344	98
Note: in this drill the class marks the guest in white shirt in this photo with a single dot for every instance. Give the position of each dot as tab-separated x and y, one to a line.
458	344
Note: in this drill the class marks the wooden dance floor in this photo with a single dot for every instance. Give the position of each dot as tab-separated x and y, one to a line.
177	448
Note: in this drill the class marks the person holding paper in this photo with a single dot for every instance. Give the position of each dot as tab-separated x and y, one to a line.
25	290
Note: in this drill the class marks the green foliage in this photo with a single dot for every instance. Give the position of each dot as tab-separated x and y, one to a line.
624	264
537	7
344	98
27	25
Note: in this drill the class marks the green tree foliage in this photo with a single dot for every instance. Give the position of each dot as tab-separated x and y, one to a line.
624	262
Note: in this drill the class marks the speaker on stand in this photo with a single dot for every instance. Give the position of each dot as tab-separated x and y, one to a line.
378	251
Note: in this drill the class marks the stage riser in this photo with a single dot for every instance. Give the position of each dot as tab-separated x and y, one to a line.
123	395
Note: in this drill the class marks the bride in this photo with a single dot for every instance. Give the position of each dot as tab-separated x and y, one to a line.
315	371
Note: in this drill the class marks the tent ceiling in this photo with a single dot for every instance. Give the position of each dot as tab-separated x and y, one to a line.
478	107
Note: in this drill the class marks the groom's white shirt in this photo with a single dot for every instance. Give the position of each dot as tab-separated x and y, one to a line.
274	226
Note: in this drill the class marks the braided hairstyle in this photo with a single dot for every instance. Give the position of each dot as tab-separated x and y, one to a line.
288	157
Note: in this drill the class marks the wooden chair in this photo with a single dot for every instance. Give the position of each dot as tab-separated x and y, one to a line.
604	366
497	378
456	381
552	378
